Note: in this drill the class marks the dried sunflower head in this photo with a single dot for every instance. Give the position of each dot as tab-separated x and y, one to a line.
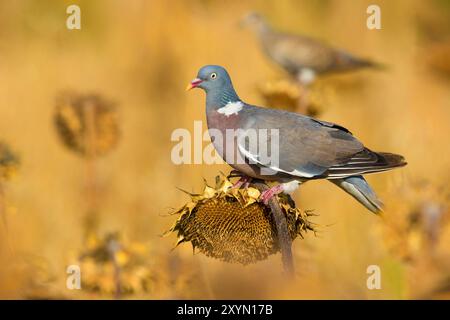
418	224
9	162
231	225
438	57
286	95
87	124
113	265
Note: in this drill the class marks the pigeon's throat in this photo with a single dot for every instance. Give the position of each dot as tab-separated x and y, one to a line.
220	99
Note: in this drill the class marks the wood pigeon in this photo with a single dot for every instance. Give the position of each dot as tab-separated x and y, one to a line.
306	148
302	57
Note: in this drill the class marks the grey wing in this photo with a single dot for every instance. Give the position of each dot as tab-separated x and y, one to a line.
299	146
295	52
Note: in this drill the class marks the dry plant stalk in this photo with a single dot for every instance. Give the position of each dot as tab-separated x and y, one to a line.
88	125
115	266
284	238
9	163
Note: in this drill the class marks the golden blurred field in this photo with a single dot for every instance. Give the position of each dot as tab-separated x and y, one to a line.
140	55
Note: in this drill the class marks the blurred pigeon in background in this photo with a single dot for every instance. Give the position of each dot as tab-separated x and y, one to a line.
308	149
302	57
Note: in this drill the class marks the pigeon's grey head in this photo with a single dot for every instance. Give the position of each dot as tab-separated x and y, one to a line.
211	78
216	82
255	21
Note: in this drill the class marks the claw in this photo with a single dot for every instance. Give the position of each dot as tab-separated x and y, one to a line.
243	181
268	194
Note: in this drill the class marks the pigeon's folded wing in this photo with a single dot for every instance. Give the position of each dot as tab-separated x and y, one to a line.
299	146
294	52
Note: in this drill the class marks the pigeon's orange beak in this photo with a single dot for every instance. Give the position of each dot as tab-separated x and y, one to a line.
194	83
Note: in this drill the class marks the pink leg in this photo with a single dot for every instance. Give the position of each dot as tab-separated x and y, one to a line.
243	181
269	193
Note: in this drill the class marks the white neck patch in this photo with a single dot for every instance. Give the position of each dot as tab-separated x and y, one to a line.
306	76
231	108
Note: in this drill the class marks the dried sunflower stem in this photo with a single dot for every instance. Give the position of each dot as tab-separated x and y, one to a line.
2	207
283	236
112	250
5	220
91	218
303	99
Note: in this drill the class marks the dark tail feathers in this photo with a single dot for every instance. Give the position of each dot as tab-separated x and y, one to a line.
365	162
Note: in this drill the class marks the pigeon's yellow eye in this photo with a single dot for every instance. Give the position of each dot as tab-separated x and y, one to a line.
213	75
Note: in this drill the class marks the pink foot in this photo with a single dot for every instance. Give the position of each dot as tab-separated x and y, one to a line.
270	193
243	181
